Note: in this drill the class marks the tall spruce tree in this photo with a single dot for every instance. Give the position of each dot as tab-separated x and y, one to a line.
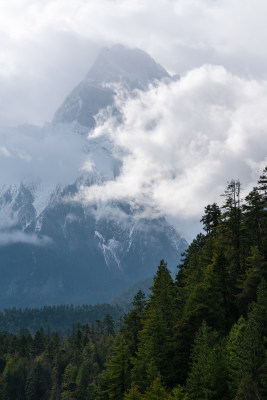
154	353
211	219
207	376
248	353
231	227
116	379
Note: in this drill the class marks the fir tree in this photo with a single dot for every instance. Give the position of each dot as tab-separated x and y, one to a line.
207	377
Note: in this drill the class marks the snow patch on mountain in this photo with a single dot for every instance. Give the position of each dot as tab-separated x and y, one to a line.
75	250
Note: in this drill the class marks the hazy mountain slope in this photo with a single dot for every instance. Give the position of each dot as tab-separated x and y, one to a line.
131	67
57	250
73	253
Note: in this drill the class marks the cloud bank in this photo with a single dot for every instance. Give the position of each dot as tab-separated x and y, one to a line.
8	238
10	234
183	141
47	46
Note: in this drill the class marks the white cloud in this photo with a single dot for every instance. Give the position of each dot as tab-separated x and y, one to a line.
183	141
4	152
47	46
8	238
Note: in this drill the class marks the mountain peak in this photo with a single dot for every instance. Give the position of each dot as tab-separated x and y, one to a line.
132	66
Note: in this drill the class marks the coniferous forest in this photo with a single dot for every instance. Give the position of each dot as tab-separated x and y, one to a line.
56	318
202	335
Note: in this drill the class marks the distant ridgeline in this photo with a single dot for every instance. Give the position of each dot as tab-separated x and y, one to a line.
55	318
200	336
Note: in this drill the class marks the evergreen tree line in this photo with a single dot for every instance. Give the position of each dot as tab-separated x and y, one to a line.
55	318
200	336
48	366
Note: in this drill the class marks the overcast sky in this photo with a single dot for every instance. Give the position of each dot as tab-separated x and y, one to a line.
208	127
47	46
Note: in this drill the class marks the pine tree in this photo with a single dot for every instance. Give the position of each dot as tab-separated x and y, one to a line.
211	219
184	334
262	189
13	379
36	384
133	394
133	322
207	377
231	227
116	380
178	393
256	270
155	347
234	339
190	271
253	210
262	185
156	391
109	325
69	381
249	356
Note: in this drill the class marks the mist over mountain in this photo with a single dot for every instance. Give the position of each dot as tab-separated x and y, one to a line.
55	249
133	68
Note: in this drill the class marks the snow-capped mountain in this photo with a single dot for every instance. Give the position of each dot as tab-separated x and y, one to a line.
131	67
54	249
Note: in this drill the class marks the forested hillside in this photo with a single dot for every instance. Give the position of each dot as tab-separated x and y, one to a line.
47	366
200	336
55	318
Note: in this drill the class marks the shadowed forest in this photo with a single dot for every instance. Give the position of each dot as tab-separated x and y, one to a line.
202	335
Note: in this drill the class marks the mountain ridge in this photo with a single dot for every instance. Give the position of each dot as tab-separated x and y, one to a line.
67	251
132	68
